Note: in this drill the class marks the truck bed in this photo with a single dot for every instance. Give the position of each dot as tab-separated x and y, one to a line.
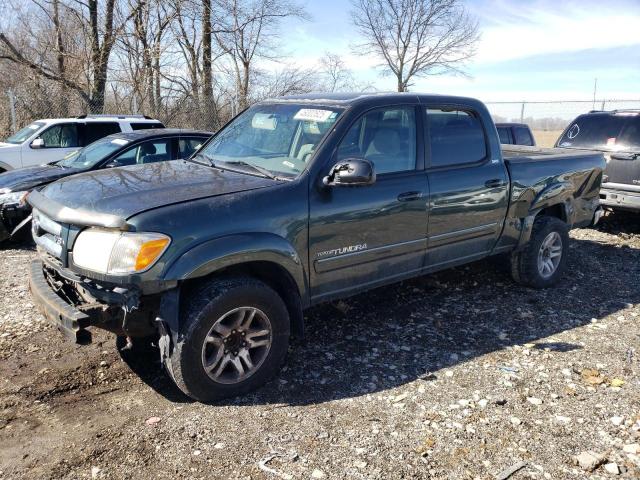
538	175
524	153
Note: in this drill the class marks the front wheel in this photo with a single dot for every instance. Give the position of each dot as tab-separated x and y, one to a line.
234	336
543	260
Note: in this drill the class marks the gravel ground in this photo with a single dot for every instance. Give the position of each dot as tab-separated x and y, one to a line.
456	375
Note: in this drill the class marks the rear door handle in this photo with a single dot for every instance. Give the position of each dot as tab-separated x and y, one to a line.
409	196
496	182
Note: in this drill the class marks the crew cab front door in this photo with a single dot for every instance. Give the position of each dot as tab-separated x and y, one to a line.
469	187
367	235
58	141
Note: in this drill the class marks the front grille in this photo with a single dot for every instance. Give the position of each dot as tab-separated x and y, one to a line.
48	234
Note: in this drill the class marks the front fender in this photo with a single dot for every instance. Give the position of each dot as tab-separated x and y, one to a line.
217	254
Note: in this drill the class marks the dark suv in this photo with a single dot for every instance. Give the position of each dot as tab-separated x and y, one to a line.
617	134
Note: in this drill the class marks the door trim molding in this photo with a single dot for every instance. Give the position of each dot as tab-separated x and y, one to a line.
323	265
465	234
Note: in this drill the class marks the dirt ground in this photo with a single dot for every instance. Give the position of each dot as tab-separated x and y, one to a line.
452	376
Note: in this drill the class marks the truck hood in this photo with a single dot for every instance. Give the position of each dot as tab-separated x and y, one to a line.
8	145
27	178
127	191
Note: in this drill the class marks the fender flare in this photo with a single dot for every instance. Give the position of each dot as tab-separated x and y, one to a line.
558	193
6	167
217	254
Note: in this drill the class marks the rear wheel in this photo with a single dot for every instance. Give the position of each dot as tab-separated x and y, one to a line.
234	336
543	260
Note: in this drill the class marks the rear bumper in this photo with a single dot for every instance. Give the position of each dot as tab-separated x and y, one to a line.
617	198
67	319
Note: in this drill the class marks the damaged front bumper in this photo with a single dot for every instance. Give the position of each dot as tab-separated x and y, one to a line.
73	304
12	219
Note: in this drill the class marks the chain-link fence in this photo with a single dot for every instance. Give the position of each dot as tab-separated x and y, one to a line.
17	109
549	119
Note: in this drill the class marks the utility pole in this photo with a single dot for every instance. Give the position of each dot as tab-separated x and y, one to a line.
595	90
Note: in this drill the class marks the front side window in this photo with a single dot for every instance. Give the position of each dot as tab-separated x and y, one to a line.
279	138
147	152
386	137
64	135
456	137
24	134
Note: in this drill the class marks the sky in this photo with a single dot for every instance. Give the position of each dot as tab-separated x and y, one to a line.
529	50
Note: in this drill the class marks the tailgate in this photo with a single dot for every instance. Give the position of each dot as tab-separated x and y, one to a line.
623	171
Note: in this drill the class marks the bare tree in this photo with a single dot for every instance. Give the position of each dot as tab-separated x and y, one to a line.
247	30
98	23
416	38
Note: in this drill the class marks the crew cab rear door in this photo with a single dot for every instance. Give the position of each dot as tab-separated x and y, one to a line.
367	235
469	185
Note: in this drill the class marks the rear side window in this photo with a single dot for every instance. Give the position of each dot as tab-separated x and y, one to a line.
146	126
187	146
505	135
456	137
619	131
96	130
523	136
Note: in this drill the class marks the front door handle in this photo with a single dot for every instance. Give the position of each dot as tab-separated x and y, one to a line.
409	196
494	183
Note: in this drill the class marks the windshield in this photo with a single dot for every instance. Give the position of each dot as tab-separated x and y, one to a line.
92	154
617	132
278	138
21	135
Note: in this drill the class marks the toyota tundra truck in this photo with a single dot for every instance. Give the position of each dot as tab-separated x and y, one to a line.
298	200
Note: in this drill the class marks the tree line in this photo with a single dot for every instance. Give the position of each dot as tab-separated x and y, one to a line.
206	58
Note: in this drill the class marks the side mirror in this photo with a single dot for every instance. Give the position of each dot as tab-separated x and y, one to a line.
112	164
37	143
351	172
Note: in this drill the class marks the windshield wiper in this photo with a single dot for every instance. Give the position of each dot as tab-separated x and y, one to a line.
257	168
207	158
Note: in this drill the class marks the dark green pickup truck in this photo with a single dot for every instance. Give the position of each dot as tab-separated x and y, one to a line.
297	201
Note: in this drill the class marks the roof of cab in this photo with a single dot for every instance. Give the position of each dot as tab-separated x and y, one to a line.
157	133
351	99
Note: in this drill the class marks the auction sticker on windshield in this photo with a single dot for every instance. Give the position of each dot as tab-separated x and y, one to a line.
314	115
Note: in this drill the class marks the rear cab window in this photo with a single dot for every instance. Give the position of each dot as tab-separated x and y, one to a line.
505	135
522	136
456	137
606	131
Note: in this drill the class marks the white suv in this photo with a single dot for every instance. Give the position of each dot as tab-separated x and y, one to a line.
49	140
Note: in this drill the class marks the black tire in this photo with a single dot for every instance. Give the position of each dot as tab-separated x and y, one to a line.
524	263
203	307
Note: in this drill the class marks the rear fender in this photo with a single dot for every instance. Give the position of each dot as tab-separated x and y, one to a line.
559	194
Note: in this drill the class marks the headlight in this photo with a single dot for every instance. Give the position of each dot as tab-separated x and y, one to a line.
10	198
118	253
